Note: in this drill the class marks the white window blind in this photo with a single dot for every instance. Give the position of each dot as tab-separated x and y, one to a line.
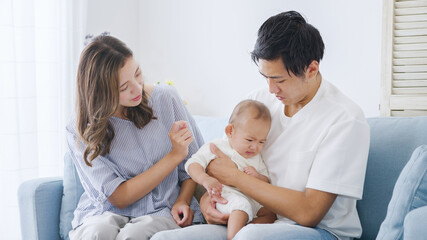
404	73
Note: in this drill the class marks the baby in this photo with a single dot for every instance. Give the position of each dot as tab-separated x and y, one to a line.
246	132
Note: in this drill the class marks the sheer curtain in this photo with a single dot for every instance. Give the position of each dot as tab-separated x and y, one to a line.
40	41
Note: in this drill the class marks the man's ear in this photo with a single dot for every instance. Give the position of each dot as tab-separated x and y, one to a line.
312	69
229	130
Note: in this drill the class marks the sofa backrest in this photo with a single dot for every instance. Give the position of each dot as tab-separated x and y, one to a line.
392	142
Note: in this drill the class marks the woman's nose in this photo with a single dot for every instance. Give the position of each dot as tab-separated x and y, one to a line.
136	87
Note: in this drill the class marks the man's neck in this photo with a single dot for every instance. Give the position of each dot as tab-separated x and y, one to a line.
291	110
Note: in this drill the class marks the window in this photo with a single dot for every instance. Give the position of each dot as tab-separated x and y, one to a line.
404	56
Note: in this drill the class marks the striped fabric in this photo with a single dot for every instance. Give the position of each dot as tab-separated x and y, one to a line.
134	151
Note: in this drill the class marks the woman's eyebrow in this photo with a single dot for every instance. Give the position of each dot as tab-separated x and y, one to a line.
136	70
123	84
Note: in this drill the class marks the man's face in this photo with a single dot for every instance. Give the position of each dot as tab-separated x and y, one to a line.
288	88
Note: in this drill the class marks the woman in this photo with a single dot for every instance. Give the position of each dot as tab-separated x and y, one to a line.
129	143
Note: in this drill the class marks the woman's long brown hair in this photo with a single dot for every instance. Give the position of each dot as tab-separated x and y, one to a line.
98	95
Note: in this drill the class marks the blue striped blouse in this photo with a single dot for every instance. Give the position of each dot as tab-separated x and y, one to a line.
134	151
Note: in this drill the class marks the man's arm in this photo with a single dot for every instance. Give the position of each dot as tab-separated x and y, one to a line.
305	208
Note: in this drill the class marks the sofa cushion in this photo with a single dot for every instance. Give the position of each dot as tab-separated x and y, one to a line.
211	127
393	140
415	224
410	192
72	191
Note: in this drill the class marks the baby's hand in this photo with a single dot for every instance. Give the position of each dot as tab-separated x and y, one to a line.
251	171
213	187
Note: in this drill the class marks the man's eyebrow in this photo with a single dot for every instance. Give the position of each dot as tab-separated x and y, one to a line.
274	77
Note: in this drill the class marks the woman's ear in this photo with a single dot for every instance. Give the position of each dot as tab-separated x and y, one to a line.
229	130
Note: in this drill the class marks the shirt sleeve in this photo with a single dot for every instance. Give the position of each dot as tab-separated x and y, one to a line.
340	163
203	157
98	181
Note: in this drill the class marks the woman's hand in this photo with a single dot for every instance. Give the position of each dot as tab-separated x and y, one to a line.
222	168
180	137
182	214
209	211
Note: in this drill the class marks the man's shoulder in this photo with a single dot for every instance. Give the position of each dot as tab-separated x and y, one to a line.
341	104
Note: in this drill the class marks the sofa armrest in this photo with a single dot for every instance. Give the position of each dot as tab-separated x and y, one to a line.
39	207
415	224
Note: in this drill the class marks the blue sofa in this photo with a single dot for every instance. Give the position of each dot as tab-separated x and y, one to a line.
46	204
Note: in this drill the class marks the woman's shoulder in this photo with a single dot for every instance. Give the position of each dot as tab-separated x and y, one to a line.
165	95
71	124
164	90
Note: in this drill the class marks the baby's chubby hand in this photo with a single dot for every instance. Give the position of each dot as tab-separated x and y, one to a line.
251	171
213	187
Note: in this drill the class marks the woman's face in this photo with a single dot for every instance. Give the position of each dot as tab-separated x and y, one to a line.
130	84
288	88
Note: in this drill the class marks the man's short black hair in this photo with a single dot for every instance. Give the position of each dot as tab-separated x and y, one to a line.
289	36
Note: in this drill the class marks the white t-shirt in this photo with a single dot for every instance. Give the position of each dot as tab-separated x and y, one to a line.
324	146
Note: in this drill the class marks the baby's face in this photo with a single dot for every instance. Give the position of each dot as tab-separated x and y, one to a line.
248	137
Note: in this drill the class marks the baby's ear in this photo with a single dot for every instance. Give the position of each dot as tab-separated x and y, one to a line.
228	130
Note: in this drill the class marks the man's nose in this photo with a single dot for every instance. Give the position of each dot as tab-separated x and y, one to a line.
272	86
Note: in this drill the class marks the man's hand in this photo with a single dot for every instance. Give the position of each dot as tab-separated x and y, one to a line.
222	168
210	213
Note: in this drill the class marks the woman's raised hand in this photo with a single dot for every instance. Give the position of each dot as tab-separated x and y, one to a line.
180	137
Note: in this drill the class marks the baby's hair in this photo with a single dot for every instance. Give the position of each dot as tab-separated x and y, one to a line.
261	111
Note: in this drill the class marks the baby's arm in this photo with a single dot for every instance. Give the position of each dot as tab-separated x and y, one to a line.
253	172
198	174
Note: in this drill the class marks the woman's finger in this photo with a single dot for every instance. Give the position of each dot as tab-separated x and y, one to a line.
175	216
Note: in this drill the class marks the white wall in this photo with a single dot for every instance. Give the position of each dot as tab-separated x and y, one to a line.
120	18
204	47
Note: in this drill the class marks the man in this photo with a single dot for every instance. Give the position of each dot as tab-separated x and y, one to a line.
316	151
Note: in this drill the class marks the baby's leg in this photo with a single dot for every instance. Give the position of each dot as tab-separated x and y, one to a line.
236	221
264	216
